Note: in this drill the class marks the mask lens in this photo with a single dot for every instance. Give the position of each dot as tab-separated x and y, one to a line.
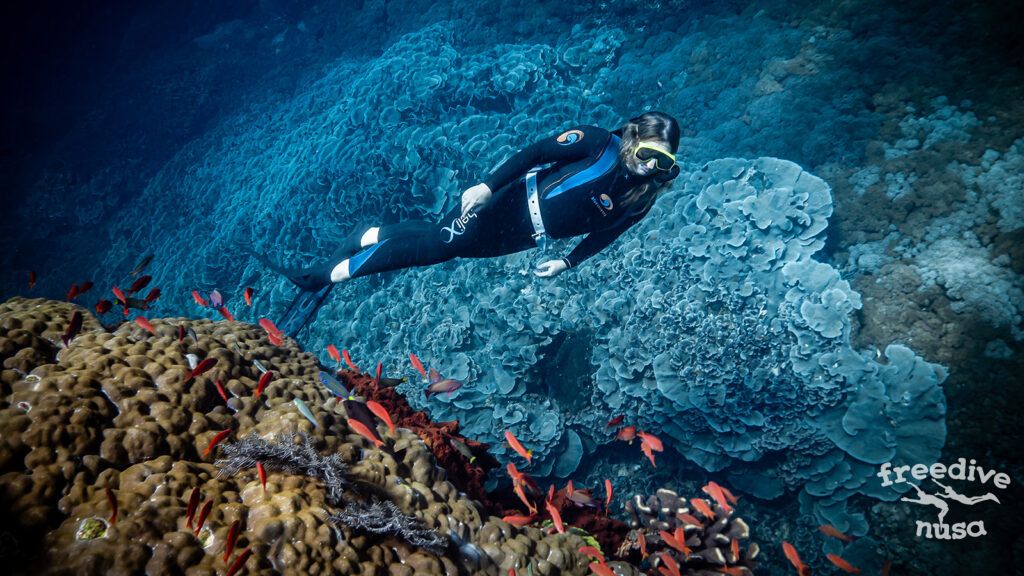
662	161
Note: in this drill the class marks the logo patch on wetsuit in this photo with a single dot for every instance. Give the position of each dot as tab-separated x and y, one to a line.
569	137
603	203
458	227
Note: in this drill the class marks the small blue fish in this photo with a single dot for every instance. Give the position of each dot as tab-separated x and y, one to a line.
304	410
333	385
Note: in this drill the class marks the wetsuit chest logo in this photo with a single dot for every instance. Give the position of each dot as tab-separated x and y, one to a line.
458	227
569	137
603	202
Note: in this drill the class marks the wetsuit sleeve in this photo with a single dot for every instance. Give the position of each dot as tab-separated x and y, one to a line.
597	241
573	144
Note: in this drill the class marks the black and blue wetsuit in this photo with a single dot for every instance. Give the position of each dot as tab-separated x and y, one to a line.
580	192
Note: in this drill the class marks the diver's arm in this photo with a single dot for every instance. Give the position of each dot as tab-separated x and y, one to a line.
597	241
573	144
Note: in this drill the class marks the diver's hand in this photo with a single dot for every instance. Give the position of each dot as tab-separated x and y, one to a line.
551	268
474	198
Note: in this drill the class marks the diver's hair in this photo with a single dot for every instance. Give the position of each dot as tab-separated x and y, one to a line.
656	126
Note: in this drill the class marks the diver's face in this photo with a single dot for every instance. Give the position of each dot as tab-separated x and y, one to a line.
645	167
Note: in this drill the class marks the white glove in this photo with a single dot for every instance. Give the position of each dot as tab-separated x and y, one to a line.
474	198
551	268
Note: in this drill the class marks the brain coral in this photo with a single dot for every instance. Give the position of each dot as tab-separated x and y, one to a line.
105	441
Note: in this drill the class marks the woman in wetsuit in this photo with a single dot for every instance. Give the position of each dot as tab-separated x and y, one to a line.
596	182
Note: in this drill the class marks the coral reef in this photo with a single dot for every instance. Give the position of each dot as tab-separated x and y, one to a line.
109	448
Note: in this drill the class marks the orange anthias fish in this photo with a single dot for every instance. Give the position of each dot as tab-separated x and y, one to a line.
220	390
592	552
830	530
226	314
152	296
842	564
113	506
615	421
646	449
332	351
627	434
417	365
217	439
518	521
517	446
641	539
608	495
85	287
794	559
518	489
203	515
600	569
364	431
229	544
715	491
145	324
703	508
199	299
382	413
104	306
72	329
651	440
264	380
673	542
556	517
274	334
193	503
689	519
348	360
31	279
72	293
120	295
248	296
734	548
438	385
262	473
671	567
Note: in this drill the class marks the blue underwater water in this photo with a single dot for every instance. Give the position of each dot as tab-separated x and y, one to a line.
835	281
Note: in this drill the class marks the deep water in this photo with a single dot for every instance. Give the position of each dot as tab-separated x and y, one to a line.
836	280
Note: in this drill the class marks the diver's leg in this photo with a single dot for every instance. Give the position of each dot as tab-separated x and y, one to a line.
312	278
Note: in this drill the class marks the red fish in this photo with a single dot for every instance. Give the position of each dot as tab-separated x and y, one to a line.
199	299
794	559
673	542
688	519
120	296
152	296
555	516
262	473
139	284
72	293
72	329
641	539
718	495
227	315
193	503
348	360
646	449
113	506
732	498
830	530
275	339
85	287
518	521
615	421
592	552
332	350
382	413
203	514
842	564
671	567
268	325
376	380
608	495
31	279
417	365
627	434
263	383
220	390
229	544
181	332
364	431
886	566
519	448
248	296
217	439
145	324
651	440
734	547
104	306
601	569
518	489
239	562
702	507
204	365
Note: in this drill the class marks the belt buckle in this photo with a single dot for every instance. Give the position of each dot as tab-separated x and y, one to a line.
541	239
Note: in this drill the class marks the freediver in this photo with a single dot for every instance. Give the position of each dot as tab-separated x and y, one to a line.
597	182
